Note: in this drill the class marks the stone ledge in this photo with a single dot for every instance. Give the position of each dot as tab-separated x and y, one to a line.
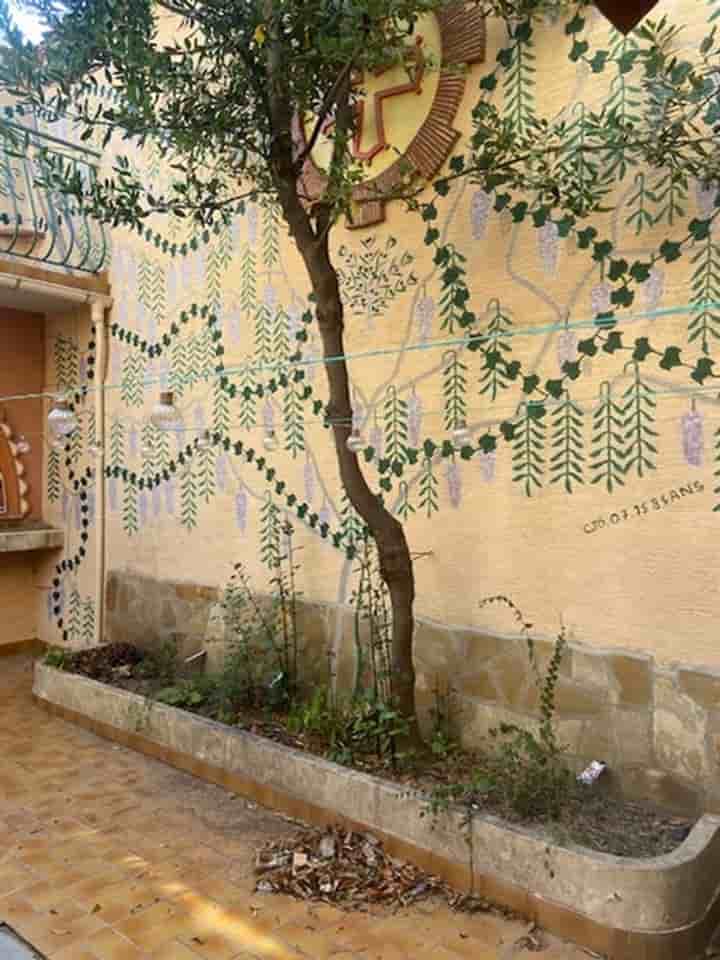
661	908
19	540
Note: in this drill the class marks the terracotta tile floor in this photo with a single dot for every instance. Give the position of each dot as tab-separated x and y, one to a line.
107	855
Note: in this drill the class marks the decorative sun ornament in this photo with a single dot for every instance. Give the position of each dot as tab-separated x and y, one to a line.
404	118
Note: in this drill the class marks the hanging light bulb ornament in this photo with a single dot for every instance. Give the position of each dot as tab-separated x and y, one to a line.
23	445
165	415
270	441
355	442
61	419
461	436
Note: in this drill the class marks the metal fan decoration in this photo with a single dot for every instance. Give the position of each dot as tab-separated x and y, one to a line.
625	15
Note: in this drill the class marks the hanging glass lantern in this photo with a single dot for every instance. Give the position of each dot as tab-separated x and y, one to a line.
355	442
61	419
461	436
165	415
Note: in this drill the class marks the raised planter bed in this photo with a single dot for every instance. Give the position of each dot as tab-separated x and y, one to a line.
666	907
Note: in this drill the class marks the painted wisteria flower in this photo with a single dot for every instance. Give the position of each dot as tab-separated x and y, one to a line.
252	224
163	372
156	500
691	428
268	416
424	316
705	197
77	513
173	285
221	464
377	441
600	301
549	246
199	417
65	504
654	288
83	370
270	297
480	207
91	506
358	412
133	440
112	489
170	496
566	347
454	482
309	479
415	415
142	508
241	510
488	463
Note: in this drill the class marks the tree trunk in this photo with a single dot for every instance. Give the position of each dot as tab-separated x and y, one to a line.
310	232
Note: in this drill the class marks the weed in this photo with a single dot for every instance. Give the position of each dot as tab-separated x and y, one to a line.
56	657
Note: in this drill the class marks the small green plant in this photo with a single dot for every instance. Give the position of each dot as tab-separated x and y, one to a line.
442	742
160	666
526	769
190	694
56	657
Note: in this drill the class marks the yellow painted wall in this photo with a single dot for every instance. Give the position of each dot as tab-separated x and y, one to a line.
593	560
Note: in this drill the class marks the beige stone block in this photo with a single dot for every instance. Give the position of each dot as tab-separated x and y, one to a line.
438	651
590	669
480	685
513	679
633	678
680	727
481	647
701	686
574	698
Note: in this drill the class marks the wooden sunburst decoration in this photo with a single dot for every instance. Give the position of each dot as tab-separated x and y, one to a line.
462	41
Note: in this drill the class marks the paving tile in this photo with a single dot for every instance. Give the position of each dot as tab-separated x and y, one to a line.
109	855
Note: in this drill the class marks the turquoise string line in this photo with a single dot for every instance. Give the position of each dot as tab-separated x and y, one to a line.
392	351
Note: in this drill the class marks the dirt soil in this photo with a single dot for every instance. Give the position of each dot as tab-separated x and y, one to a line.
594	818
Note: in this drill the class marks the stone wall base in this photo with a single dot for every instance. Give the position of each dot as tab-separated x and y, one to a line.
657	728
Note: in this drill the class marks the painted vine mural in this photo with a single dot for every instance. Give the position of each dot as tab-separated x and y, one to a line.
551	406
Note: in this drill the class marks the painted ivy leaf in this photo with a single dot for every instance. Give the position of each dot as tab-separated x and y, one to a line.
670	250
642	349
601	250
555	388
699	229
487	443
386	484
585	237
507	429
587	348
617	269
578	50
571	369
598	62
613	342
623	296
703	369
530	383
576	25
671	358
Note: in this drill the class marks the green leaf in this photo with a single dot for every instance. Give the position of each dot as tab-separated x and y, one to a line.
613	342
699	229
555	388
642	349
571	369
507	429
703	369
588	348
618	268
671	358
670	250
640	271
530	383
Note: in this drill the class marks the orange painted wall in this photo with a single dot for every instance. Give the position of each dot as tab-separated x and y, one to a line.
22	370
